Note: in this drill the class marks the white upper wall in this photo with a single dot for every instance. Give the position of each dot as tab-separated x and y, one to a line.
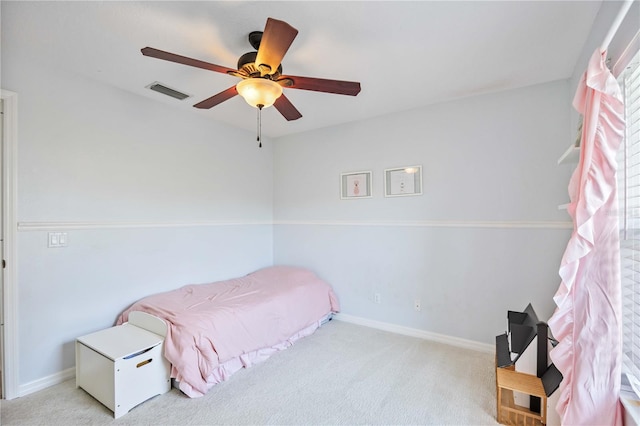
91	153
490	157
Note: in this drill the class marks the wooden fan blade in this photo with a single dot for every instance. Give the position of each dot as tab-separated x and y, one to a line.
276	39
338	87
167	56
217	99
286	108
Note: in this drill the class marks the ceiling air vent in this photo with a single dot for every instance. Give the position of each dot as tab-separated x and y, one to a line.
161	88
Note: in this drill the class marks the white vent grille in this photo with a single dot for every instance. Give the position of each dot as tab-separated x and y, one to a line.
165	90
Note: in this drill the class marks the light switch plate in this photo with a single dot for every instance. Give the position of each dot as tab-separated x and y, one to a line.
57	239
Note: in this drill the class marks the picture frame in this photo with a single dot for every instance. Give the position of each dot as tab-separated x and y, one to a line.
355	185
403	181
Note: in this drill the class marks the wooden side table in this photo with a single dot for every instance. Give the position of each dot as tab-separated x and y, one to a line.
507	381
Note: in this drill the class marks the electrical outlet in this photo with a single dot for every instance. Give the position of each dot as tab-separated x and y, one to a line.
416	305
376	298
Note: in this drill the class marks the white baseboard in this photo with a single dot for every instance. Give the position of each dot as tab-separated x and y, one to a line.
45	382
415	332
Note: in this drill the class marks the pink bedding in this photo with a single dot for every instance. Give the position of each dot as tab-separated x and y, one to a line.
213	326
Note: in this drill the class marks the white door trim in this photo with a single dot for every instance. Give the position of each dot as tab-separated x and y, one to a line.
9	203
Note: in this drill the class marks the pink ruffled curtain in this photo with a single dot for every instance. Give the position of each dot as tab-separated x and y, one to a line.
587	321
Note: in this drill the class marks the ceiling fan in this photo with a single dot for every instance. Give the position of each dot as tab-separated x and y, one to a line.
261	72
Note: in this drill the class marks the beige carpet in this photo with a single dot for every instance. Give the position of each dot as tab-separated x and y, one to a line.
342	374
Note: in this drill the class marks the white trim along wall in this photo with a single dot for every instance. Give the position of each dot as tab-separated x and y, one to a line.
10	356
62	226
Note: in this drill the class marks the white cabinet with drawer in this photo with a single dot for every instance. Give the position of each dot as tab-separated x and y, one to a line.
122	366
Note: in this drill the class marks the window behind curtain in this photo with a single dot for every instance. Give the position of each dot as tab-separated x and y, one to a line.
629	202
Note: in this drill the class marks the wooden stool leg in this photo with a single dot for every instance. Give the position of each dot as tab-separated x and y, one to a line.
498	414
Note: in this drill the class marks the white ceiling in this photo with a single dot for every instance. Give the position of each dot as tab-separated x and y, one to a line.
405	54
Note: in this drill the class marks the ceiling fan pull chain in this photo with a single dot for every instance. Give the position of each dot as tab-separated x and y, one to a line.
260	126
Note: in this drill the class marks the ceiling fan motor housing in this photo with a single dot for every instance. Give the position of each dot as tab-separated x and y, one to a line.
247	64
255	37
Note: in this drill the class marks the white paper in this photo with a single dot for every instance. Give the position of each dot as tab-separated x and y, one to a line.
402	182
357	185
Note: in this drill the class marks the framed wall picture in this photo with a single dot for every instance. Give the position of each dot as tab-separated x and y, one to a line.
355	185
403	181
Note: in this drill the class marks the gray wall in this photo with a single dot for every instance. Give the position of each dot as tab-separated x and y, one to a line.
486	236
152	198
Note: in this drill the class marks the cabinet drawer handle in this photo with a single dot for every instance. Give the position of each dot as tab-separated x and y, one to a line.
143	363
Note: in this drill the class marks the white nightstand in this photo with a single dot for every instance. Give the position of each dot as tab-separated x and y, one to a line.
122	366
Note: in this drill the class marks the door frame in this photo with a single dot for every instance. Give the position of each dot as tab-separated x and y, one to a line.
10	226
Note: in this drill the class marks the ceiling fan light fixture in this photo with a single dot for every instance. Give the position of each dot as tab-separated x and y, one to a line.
259	91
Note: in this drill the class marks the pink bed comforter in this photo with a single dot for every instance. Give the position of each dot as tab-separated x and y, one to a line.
210	325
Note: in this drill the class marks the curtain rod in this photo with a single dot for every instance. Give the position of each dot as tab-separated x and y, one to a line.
616	24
